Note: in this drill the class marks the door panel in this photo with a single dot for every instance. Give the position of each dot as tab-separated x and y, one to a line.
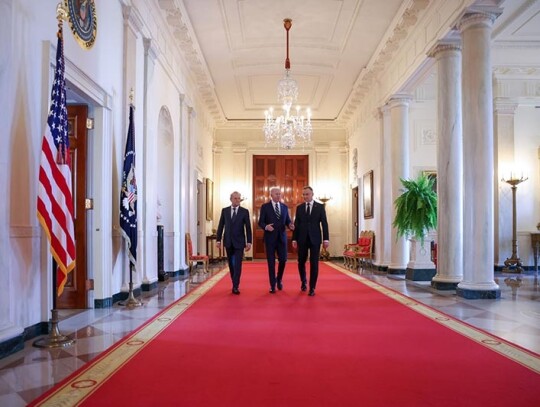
74	295
290	173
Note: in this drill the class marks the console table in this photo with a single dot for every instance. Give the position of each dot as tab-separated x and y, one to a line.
211	249
535	241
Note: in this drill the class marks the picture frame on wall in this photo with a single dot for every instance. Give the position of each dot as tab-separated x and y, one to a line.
209	199
367	194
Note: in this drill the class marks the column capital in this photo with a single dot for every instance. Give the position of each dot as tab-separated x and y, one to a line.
399	99
478	17
443	47
505	106
132	18
150	49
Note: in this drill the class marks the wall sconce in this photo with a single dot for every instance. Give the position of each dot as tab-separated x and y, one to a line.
324	198
513	264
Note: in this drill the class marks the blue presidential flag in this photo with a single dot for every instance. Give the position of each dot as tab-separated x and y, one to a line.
128	194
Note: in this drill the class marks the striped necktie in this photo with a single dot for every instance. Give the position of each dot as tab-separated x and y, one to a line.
276	210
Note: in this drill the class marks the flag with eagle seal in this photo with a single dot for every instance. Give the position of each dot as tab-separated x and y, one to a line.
128	194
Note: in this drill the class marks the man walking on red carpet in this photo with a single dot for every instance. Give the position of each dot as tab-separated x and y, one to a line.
273	219
307	237
235	228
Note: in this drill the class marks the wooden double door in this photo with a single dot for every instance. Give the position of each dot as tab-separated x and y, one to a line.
291	174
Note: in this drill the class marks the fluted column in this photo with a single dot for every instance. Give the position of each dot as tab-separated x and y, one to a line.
449	167
399	130
384	241
478	269
504	157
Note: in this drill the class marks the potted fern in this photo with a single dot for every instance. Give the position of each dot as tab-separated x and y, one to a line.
416	216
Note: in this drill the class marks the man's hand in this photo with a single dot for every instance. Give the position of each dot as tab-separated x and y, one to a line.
326	244
218	244
291	226
248	247
269	227
294	244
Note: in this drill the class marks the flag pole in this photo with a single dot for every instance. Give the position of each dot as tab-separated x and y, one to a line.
55	339
125	222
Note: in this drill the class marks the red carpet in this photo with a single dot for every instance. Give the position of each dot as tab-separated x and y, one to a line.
350	345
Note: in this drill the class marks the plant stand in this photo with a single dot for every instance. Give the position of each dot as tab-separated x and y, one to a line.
420	266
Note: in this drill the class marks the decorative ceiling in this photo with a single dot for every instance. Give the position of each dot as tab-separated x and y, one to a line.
236	49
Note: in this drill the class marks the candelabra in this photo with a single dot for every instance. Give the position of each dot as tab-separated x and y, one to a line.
513	264
325	255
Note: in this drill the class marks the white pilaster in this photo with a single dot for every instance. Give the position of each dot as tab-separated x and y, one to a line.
478	268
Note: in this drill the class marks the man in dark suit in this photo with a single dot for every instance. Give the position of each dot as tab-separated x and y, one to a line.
307	237
273	219
235	229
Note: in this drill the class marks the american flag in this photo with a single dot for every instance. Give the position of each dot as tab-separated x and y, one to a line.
55	200
128	193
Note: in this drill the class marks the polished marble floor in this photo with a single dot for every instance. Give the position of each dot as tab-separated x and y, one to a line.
27	374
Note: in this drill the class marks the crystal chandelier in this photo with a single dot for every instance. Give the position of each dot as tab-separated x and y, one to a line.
287	129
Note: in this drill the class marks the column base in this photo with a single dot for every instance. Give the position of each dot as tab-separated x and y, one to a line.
420	274
478	294
443	286
395	271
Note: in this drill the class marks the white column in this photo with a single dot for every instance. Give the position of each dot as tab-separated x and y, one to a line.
177	197
478	268
384	241
449	167
399	130
185	183
504	157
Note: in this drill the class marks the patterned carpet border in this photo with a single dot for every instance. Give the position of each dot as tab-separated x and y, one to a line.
507	349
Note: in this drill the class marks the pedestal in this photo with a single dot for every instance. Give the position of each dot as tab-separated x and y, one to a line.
420	266
162	276
535	242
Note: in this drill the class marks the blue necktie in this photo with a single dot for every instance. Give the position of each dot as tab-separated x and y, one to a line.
276	210
308	209
234	214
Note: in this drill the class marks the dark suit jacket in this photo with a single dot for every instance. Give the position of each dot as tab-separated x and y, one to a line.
305	225
235	233
268	216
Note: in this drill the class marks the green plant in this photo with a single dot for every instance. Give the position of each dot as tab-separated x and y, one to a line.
416	208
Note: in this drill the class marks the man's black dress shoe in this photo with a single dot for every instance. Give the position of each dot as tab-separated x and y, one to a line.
236	291
311	292
279	285
272	291
304	287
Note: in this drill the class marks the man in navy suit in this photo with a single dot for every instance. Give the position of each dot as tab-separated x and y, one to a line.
307	237
235	229
273	219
